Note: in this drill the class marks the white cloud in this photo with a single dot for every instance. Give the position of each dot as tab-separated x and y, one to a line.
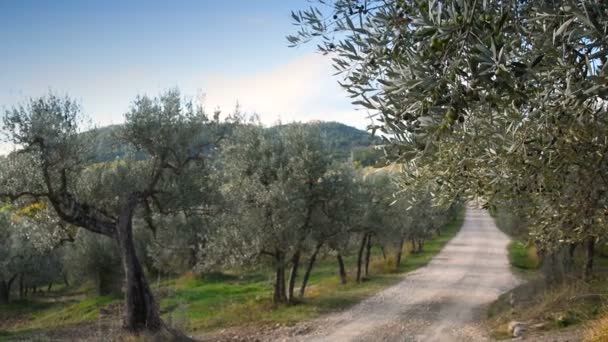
301	90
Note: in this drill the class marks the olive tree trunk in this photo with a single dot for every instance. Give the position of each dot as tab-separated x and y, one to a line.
141	311
279	294
293	275
311	263
5	289
589	255
341	268
399	253
360	257
368	254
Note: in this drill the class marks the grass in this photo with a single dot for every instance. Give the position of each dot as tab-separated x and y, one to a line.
523	256
559	306
553	306
214	301
26	317
597	330
199	305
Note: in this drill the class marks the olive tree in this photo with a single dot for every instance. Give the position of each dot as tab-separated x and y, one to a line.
29	240
273	182
501	98
54	165
335	215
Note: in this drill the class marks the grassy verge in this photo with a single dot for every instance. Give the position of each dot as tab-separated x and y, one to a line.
200	304
523	258
24	319
549	308
572	304
223	301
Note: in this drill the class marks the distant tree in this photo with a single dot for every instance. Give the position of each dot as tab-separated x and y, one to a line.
54	166
28	243
11	255
273	183
374	192
335	214
96	258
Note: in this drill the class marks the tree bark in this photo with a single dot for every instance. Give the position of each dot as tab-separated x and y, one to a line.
311	264
5	289
414	251
360	257
590	253
141	311
368	254
341	268
399	253
279	295
293	275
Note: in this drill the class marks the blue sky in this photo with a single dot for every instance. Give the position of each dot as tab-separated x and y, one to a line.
104	53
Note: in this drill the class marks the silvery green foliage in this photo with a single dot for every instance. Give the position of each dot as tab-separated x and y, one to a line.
498	99
340	207
28	248
55	165
273	184
180	243
93	257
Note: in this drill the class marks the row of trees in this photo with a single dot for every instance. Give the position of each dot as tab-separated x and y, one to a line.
188	193
506	100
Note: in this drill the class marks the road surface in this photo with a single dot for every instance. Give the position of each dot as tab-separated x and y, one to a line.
443	301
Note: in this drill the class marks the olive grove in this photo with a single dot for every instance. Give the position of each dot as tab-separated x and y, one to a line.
188	193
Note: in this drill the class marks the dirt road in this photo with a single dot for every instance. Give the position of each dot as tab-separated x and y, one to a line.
443	301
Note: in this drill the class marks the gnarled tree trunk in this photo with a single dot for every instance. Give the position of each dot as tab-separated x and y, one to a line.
141	311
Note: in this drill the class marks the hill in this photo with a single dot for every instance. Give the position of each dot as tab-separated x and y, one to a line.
343	141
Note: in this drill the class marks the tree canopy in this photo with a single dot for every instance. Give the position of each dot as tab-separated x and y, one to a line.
505	100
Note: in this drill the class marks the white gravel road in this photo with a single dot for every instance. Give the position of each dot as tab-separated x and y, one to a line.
443	301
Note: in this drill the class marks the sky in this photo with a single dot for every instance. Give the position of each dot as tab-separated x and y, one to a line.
104	53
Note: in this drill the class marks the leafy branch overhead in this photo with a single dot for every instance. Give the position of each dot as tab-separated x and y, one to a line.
506	100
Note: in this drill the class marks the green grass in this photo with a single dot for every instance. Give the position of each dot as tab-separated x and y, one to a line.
223	301
522	256
200	304
44	314
22	318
